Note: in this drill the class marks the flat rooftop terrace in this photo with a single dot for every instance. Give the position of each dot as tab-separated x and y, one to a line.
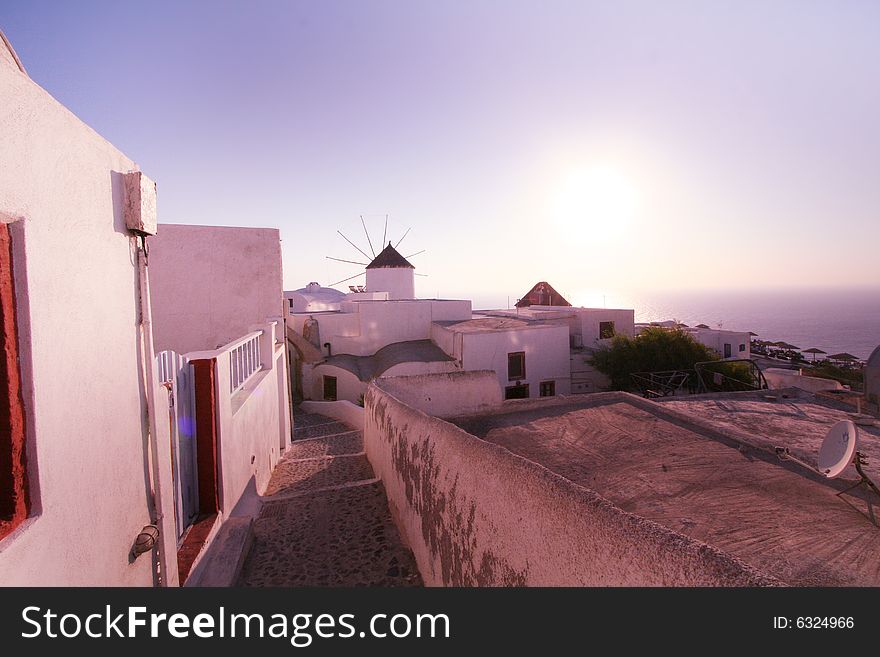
705	467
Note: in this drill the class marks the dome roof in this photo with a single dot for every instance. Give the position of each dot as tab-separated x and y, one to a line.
314	298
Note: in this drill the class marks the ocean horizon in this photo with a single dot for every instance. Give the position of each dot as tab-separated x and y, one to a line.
834	320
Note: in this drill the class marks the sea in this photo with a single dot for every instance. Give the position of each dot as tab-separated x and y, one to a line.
834	320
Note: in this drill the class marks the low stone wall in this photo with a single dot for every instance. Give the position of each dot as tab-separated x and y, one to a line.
475	514
448	395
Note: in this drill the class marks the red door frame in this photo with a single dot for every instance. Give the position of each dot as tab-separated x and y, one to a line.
206	434
14	497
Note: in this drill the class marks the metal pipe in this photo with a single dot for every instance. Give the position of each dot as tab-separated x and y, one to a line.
147	356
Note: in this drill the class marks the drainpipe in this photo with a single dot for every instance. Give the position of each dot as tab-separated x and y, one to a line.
147	360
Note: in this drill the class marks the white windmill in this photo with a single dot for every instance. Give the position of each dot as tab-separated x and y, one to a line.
386	271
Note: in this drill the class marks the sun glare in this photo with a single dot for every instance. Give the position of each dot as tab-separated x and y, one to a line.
596	204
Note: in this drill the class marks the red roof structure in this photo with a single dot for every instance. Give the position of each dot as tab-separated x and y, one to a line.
542	294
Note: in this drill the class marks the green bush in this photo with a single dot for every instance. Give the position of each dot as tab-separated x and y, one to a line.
655	349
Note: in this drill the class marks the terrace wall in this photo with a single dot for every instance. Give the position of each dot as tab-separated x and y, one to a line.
475	514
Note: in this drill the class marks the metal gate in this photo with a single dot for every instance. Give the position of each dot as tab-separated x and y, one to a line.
175	373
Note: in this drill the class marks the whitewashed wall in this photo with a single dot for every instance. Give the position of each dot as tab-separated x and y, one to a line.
546	352
590	318
77	294
717	338
210	284
364	327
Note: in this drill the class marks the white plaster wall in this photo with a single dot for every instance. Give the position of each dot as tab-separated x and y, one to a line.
398	282
248	425
624	324
362	328
417	368
348	386
546	351
210	284
444	310
447	395
716	338
445	339
78	314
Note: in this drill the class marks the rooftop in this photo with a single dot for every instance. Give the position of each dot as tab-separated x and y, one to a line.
706	467
486	324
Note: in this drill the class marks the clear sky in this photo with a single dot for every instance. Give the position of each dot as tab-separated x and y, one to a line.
599	146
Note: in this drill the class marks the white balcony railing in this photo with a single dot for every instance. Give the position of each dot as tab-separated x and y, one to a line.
244	360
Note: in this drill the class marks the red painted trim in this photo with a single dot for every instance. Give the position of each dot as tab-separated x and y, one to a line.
14	502
206	435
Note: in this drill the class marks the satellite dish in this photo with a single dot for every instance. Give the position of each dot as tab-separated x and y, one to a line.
838	448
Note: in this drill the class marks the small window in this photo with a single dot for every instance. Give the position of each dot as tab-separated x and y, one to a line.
516	365
329	388
727	350
517	392
548	388
606	330
742	347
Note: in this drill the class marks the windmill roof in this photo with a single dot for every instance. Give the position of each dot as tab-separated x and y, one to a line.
390	258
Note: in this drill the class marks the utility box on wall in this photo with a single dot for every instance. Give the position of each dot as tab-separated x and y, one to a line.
140	203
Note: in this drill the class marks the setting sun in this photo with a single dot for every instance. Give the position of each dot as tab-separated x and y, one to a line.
599	200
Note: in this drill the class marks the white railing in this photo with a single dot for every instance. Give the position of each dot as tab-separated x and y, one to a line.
244	360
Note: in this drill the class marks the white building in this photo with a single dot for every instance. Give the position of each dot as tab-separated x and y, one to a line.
218	322
342	341
90	466
90	463
589	329
530	357
392	273
729	345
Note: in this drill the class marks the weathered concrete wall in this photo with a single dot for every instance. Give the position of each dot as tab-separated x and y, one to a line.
77	304
778	378
477	515
448	395
584	377
210	284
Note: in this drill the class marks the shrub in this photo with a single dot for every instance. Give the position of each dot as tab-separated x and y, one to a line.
655	349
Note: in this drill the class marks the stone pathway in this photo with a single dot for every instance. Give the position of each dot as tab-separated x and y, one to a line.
325	518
